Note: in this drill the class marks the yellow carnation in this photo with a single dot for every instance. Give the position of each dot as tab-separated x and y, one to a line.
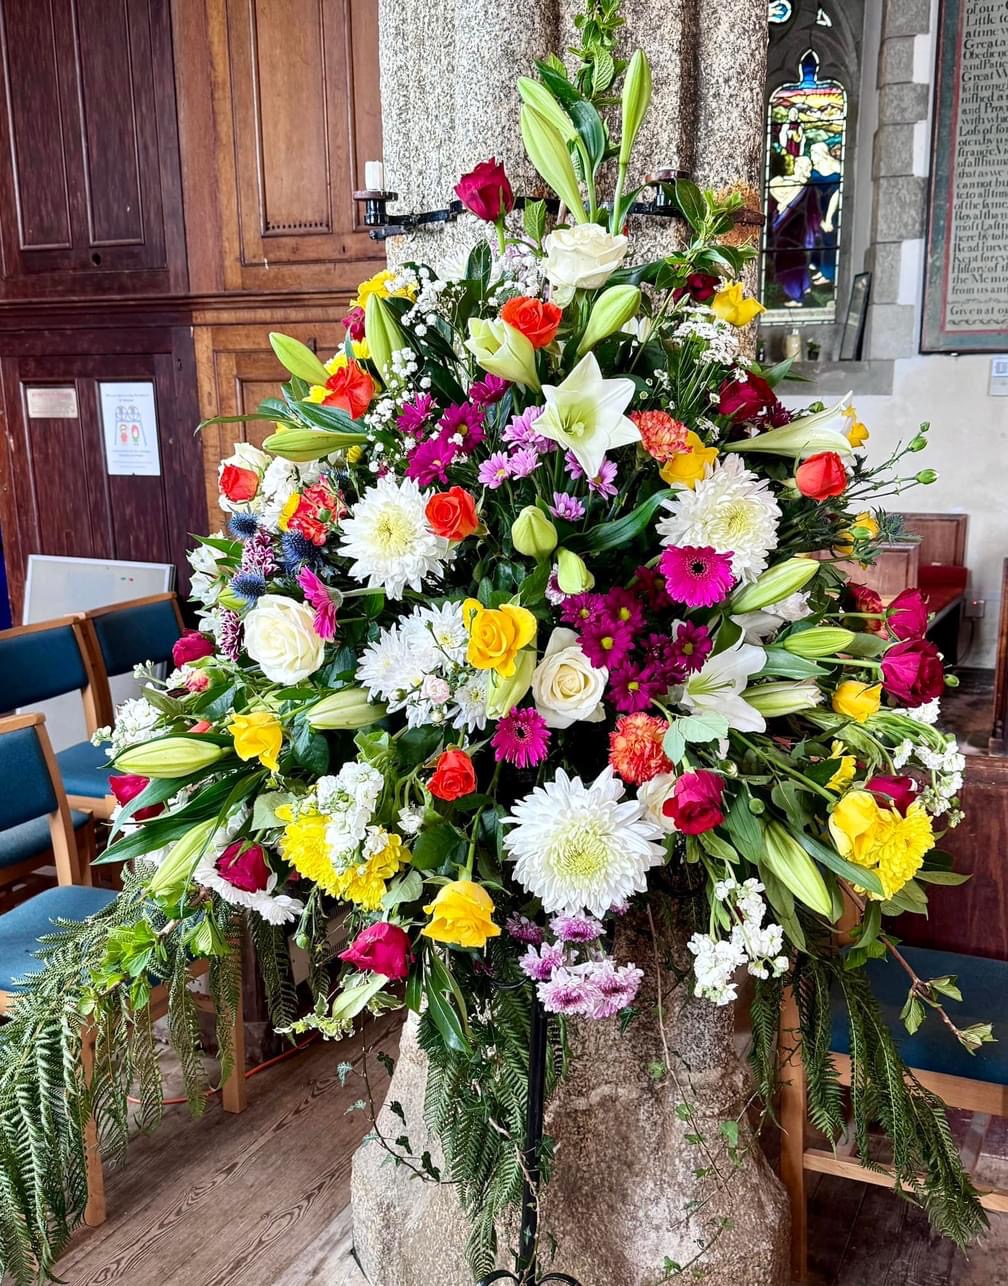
690	466
462	915
731	305
496	635
902	847
880	839
379	285
289	510
257	736
856	700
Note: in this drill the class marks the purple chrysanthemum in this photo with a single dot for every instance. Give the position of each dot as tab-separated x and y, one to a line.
230	634
522	738
521	432
494	471
651	585
578	609
696	575
566	506
633	687
523	462
615	986
416	415
692	646
258	556
428	461
576	928
569	993
540	963
605	641
522	929
623	605
464	421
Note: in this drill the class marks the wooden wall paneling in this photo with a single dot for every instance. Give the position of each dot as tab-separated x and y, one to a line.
89	173
942	536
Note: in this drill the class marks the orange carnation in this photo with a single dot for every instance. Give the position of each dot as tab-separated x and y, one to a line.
537	321
635	748
662	437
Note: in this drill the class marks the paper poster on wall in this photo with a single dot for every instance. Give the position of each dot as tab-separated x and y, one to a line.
129	427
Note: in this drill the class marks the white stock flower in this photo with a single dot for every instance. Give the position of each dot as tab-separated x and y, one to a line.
280	635
717	688
731	510
566	687
579	847
389	540
583	257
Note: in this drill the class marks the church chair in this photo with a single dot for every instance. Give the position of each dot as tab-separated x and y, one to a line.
25	754
970	1082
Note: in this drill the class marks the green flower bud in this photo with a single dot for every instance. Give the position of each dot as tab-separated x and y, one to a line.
503	350
785	858
777	582
538	97
927	476
504	694
823	640
383	334
170	757
532	533
612	310
635	102
573	576
919	443
347	708
777	699
548	153
232	601
298	358
310	444
169	881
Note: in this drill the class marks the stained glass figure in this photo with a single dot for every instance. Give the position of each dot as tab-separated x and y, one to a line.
822	18
806	127
778	11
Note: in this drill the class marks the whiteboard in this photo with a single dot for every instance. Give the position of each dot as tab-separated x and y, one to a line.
57	586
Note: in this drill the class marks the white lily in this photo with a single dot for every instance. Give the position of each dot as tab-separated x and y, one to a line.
585	414
808	435
718	687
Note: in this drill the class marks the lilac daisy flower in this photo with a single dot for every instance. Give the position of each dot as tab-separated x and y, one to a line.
521	433
523	462
495	471
568	992
604	482
615	986
567	506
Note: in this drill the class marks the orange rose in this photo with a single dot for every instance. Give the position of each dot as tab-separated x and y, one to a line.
536	320
350	388
238	484
454	776
821	476
452	514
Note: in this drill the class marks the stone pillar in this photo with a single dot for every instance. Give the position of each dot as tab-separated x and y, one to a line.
624	1194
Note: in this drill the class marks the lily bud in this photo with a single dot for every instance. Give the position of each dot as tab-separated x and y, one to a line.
503	350
808	435
538	97
170	757
310	444
383	334
547	151
777	699
347	708
171	877
612	310
573	576
504	694
232	601
822	640
298	358
777	582
532	533
635	102
785	858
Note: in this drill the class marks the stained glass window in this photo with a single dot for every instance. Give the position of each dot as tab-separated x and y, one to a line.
806	127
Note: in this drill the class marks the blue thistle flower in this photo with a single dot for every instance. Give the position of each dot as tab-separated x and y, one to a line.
298	550
243	526
250	585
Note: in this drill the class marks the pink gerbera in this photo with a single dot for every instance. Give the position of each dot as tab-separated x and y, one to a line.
696	575
324	600
522	738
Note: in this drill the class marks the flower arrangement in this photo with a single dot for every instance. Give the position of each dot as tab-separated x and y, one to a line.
531	610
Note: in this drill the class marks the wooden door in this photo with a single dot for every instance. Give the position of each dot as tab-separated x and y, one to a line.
90	189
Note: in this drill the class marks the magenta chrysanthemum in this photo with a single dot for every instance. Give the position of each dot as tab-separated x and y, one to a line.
429	461
696	575
605	641
522	738
415	415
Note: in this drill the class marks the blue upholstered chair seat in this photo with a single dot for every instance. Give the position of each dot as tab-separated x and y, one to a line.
85	770
21	843
933	1048
24	924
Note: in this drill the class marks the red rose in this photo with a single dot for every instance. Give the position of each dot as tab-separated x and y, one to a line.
862	598
536	320
127	786
380	948
452	514
893	792
454	776
353	323
912	672
695	805
907	615
350	388
190	647
745	398
822	475
486	191
238	485
700	286
244	867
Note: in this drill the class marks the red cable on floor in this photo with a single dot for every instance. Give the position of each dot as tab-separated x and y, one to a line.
252	1071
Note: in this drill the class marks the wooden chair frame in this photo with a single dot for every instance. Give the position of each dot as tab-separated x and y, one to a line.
71	870
798	1159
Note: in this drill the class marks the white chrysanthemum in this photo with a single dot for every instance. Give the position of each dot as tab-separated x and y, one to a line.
439	630
578	847
388	538
391	669
471	698
733	511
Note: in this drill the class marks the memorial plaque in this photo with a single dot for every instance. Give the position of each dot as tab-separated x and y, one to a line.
966	288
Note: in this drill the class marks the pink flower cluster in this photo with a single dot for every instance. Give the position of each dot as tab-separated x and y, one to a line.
460	428
593	988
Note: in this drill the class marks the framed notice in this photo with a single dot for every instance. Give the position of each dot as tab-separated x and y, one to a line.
966	286
129	427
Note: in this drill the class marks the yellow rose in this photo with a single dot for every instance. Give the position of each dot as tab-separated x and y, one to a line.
496	635
844	775
731	305
857	700
690	466
854	825
461	914
257	736
857	433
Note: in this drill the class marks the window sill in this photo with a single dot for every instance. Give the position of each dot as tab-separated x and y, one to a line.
834	379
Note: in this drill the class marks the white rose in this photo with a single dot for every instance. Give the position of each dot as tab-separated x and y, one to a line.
651	795
584	256
280	635
566	687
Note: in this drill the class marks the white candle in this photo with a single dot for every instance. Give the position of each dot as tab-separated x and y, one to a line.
374	176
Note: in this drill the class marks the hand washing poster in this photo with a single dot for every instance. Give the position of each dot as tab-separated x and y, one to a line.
129	428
